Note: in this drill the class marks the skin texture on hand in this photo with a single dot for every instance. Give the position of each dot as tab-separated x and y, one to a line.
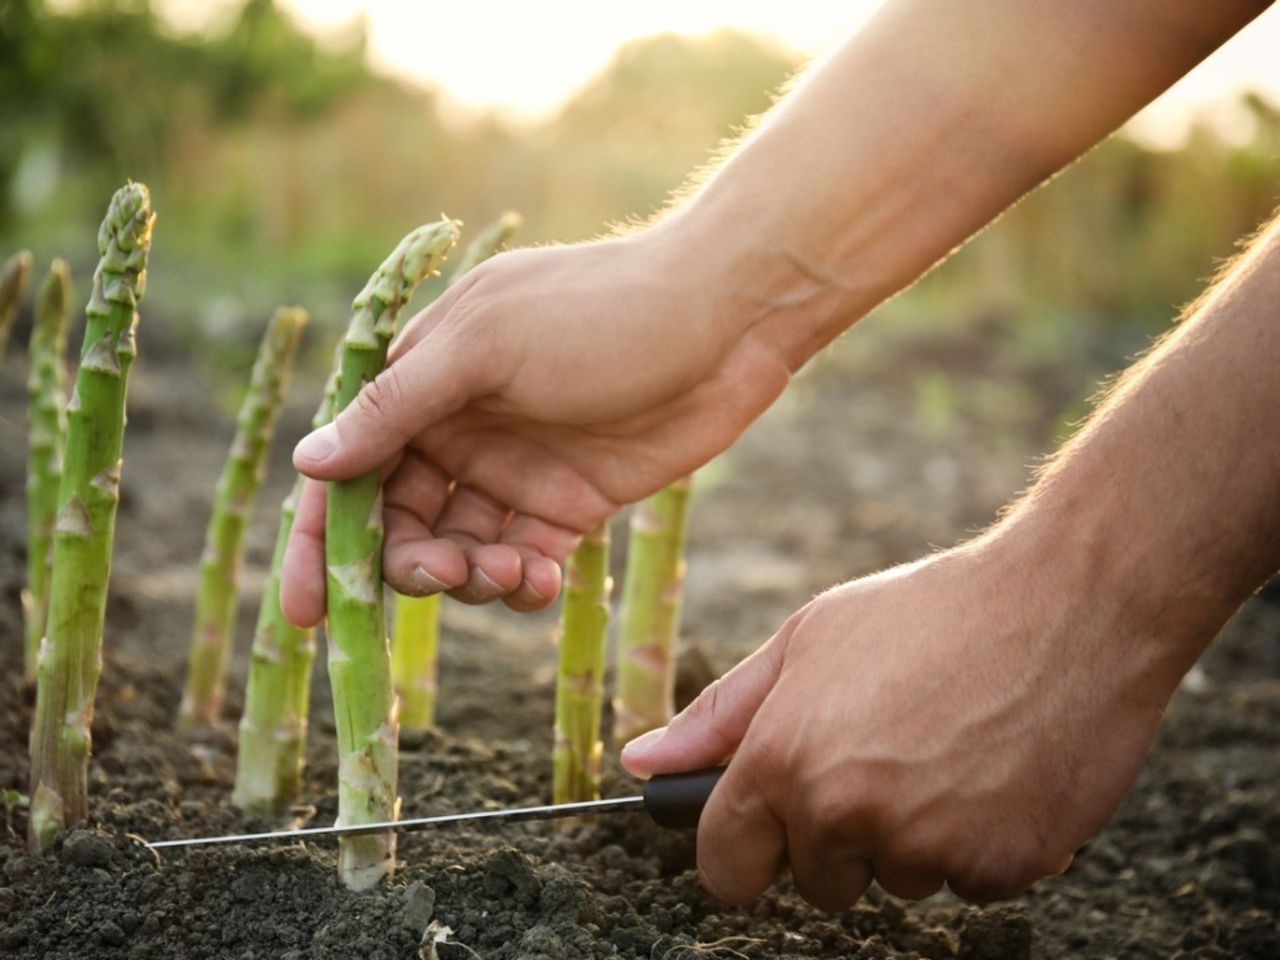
935	722
541	393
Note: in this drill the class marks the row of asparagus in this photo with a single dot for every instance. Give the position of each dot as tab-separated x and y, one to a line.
75	459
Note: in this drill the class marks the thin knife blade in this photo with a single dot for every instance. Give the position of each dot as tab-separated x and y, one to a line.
548	812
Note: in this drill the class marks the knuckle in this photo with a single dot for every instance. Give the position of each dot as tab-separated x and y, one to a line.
708	708
373	401
999	874
830	816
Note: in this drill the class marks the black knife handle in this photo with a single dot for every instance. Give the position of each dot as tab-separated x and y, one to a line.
675	800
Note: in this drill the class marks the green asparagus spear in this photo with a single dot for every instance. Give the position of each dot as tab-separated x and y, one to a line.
71	657
211	637
580	681
486	243
364	703
416	621
415	642
651	594
13	284
46	392
273	727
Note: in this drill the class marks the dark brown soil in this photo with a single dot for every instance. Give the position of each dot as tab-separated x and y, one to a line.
850	473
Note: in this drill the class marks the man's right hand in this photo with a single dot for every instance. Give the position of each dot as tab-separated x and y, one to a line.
538	395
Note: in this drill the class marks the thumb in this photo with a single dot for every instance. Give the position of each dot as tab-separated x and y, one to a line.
710	728
422	387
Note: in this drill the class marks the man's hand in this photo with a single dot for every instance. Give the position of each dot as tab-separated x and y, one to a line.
551	386
974	717
963	719
542	392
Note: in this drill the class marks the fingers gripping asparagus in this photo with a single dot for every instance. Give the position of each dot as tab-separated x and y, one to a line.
46	392
211	639
415	634
359	658
71	657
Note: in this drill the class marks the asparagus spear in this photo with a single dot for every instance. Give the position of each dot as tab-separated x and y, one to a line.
13	284
273	727
71	657
580	681
416	620
46	392
364	703
651	595
486	243
211	636
415	642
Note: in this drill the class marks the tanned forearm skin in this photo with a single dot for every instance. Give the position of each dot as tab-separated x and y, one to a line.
933	119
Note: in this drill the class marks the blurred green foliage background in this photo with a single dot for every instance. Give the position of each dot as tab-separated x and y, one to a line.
283	169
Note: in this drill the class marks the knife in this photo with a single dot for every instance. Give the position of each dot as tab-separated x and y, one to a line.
672	800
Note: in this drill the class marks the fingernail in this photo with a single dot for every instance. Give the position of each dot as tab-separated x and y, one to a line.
424	583
528	592
642	744
485	584
318	445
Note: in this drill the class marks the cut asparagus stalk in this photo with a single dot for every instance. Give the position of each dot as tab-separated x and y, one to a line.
13	284
416	620
46	392
364	703
70	659
211	638
580	681
273	727
651	597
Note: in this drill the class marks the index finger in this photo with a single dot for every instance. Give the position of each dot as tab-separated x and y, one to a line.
302	586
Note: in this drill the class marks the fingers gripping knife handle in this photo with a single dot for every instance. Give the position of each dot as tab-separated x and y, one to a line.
675	800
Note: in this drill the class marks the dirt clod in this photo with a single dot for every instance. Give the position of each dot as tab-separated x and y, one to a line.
1000	932
87	848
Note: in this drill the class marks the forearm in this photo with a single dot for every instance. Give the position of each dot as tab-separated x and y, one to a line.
1164	511
926	125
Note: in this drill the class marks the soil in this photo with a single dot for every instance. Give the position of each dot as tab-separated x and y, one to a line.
855	469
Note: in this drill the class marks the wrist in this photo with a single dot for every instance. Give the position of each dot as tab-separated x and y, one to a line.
762	282
1129	609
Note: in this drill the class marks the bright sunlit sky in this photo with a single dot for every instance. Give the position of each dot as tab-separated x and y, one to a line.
523	59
